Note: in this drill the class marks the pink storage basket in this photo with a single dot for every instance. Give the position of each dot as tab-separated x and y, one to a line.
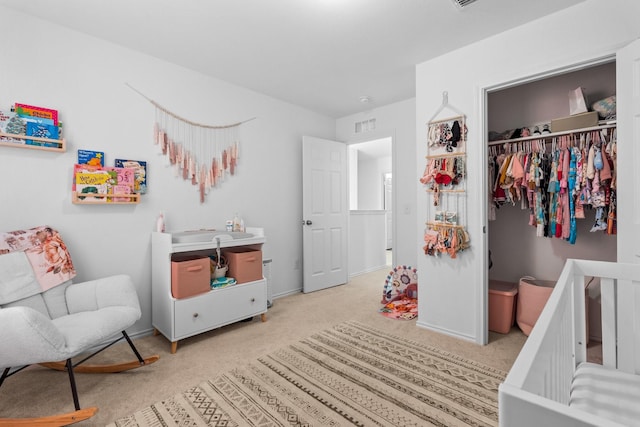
532	297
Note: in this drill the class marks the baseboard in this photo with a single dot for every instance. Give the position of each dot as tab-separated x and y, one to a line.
448	332
369	270
286	294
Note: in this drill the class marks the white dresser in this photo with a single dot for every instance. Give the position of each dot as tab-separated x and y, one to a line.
181	318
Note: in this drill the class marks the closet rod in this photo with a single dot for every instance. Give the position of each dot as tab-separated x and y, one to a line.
553	134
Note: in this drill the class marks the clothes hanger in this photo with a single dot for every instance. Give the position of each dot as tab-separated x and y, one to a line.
445	104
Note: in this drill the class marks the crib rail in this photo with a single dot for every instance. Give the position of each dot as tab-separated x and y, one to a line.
537	389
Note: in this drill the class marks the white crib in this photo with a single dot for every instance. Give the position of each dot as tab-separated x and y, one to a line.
550	385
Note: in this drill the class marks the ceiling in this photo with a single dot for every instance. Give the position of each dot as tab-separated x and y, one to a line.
323	55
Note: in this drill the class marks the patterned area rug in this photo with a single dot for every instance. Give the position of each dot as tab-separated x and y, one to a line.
348	375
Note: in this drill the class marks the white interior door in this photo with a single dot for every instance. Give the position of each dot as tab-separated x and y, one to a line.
325	213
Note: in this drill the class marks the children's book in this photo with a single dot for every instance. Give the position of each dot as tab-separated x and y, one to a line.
11	123
84	168
90	183
41	130
123	182
90	157
140	167
33	111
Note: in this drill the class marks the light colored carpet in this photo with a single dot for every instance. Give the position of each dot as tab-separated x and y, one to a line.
38	391
348	375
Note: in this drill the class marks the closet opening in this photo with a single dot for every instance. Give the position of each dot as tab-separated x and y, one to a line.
549	203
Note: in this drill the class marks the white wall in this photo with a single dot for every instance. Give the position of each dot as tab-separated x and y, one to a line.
84	78
397	121
371	181
453	299
367	241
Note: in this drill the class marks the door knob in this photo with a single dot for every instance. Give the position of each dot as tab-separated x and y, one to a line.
308	222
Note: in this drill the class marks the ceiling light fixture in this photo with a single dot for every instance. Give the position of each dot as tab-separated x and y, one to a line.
365	99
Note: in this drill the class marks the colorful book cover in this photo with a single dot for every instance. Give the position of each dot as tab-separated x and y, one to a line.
33	111
40	130
123	181
11	123
121	189
90	157
140	167
92	182
78	168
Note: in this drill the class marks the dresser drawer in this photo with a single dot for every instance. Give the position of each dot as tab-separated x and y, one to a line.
219	307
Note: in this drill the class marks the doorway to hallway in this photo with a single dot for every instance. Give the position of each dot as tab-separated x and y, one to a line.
371	202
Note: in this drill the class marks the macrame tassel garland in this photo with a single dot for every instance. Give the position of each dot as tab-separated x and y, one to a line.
202	154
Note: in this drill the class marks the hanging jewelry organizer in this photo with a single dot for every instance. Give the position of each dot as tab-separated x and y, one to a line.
202	154
445	178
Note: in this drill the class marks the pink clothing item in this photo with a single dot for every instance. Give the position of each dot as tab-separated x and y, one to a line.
566	159
591	169
517	171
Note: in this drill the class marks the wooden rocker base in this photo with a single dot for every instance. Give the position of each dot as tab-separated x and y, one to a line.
100	369
51	421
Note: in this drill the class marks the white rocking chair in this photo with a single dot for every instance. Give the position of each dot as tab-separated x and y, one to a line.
53	326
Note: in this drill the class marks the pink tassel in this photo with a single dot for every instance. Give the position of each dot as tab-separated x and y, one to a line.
185	166
172	152
215	171
202	184
163	142
156	131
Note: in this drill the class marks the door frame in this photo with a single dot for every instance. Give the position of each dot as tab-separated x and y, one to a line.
482	323
371	136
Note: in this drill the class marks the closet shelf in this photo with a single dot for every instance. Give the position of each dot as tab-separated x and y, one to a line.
60	144
607	125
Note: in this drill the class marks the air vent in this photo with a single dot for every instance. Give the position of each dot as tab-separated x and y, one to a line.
365	126
462	3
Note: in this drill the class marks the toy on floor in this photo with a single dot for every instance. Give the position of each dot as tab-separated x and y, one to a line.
400	293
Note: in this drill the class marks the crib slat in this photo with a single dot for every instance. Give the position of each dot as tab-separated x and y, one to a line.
626	325
608	312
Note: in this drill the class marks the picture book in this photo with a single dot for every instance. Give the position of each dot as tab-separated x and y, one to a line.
90	183
140	167
123	181
121	189
33	111
11	123
89	157
40	130
83	168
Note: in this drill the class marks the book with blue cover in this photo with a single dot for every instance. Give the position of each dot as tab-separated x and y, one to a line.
41	130
90	157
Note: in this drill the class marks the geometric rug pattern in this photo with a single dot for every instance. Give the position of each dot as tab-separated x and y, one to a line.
349	375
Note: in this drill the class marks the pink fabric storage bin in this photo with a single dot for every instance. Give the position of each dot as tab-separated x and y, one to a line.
190	276
533	294
532	297
502	305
